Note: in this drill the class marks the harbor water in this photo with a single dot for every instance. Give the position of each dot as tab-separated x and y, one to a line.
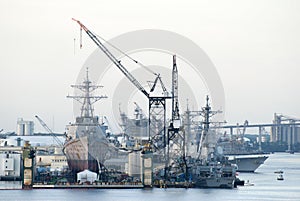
265	187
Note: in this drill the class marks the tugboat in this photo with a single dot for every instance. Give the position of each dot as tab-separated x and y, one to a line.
280	177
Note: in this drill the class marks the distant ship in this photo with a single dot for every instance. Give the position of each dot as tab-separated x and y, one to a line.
86	146
136	127
247	163
246	159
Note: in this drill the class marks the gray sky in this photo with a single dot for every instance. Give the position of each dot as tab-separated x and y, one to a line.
255	46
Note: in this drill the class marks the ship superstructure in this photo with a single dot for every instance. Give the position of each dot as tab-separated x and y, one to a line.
86	146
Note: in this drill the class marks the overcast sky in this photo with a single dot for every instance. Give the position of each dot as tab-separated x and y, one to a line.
255	46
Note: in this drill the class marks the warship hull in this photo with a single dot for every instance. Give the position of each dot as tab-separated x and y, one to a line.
78	157
87	148
246	158
247	163
215	183
214	175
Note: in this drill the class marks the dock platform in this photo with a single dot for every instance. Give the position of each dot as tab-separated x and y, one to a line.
89	186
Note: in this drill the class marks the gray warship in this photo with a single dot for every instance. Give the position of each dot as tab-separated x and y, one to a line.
211	169
86	146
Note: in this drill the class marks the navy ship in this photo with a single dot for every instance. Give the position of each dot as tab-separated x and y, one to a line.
86	146
239	151
211	169
248	162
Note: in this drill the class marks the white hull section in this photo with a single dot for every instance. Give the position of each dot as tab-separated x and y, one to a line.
247	163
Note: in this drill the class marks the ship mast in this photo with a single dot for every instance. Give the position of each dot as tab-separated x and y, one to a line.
206	141
87	99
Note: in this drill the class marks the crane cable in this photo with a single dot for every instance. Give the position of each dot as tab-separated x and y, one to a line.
127	55
80	37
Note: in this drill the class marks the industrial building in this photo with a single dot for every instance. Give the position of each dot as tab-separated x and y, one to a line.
10	166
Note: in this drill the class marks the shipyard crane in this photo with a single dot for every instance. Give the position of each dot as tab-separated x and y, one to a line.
175	129
113	58
175	121
106	120
158	78
50	131
241	132
157	104
244	130
175	101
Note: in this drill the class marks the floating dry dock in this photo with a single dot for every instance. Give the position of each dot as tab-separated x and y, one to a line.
89	186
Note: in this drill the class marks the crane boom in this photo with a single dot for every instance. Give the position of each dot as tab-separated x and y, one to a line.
113	58
49	130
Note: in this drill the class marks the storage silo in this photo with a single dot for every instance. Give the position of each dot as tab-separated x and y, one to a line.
28	128
25	127
20	127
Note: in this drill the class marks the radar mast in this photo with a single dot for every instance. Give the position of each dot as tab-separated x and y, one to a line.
86	98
